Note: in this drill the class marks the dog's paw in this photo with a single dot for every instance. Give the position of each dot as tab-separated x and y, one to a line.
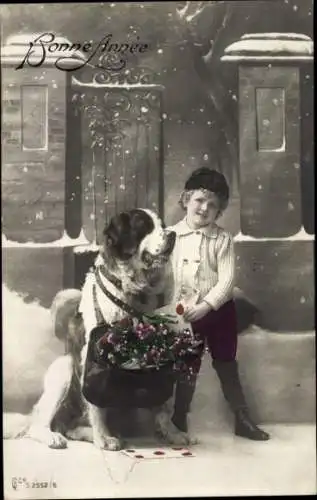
192	440
110	443
166	430
44	435
113	443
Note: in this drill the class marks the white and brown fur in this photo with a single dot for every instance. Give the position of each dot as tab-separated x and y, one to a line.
139	259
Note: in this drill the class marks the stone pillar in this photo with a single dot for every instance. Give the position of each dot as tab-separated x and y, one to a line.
274	252
36	195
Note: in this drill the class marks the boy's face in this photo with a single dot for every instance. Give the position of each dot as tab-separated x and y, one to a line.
202	207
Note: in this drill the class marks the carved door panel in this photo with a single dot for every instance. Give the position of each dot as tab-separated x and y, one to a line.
121	151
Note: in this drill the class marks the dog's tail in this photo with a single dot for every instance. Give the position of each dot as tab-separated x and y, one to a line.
15	425
64	308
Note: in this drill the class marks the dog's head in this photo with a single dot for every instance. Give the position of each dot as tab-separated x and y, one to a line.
138	237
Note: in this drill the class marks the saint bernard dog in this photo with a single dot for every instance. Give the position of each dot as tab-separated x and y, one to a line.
134	266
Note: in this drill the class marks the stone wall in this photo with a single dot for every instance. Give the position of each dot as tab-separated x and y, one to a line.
33	180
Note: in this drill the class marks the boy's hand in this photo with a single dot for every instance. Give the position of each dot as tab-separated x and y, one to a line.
194	313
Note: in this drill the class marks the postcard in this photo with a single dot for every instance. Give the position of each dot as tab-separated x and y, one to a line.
157	249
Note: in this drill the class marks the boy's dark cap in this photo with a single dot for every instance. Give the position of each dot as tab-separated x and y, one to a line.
212	180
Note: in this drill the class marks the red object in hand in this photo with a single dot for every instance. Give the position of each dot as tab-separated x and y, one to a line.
180	309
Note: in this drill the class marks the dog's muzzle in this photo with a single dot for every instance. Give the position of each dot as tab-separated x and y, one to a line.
160	259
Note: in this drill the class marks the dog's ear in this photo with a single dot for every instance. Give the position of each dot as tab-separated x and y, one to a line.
120	238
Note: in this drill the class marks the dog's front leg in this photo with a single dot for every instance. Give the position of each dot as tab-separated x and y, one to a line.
57	382
166	430
100	432
164	427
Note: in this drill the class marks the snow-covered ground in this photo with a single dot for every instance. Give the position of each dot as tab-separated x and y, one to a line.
222	465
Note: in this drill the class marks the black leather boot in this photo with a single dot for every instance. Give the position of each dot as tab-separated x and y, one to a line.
184	393
245	427
228	375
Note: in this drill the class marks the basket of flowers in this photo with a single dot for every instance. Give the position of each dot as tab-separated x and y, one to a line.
136	361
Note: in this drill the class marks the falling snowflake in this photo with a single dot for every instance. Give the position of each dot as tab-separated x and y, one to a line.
164	116
302	300
90	184
290	206
144	109
92	216
295	7
39	215
260	187
122	187
209	123
160	51
266	122
156	148
127	151
25	169
275	102
234	97
201	110
206	157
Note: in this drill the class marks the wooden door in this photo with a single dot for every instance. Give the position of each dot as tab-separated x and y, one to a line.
121	151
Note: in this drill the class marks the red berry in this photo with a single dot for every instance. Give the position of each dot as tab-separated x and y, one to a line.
180	309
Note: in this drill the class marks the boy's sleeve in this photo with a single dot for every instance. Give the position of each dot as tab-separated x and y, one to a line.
222	291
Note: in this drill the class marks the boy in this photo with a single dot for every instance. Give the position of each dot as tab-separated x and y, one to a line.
204	269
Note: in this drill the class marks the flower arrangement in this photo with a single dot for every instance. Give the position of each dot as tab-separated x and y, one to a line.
146	344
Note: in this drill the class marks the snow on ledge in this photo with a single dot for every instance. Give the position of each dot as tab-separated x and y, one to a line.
64	241
265	58
300	236
280	36
92	247
280	46
82	245
127	86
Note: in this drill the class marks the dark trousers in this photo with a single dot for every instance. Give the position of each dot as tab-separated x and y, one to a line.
219	330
